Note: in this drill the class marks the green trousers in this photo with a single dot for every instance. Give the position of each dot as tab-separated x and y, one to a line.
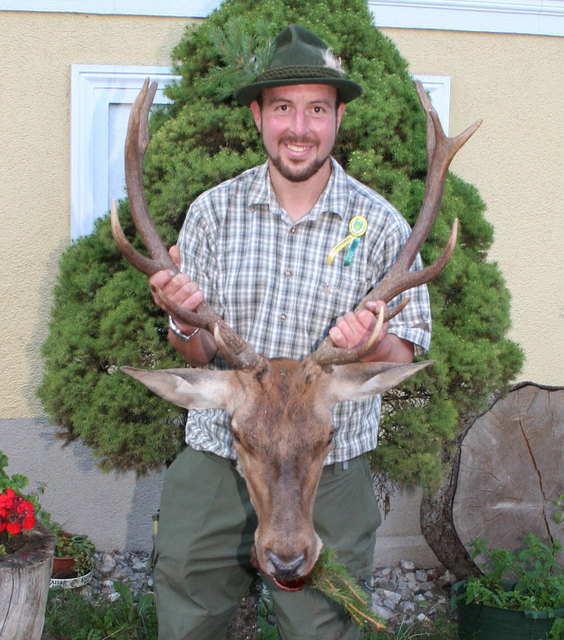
206	530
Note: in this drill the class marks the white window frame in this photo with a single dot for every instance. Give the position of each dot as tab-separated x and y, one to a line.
438	88
166	8
534	17
94	88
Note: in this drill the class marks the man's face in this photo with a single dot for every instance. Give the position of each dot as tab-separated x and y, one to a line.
298	124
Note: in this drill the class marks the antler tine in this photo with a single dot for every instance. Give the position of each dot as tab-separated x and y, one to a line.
238	353
440	152
139	261
136	143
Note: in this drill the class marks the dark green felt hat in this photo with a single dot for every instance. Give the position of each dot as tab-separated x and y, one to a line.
300	57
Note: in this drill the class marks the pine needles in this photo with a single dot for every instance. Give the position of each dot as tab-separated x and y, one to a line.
333	580
243	57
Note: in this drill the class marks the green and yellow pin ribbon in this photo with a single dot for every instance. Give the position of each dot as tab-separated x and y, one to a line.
357	228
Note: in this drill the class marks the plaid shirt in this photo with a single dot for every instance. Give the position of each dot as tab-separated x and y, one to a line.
269	279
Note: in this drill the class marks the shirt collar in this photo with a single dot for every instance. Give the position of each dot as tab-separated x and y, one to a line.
334	198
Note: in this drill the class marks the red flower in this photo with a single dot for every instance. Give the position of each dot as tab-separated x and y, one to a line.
16	513
7	501
13	528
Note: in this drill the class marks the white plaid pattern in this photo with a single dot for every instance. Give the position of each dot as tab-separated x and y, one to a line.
269	278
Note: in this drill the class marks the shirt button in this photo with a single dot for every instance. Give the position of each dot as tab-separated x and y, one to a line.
288	273
282	317
293	230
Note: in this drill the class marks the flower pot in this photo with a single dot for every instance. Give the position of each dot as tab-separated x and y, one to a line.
481	622
24	584
72	582
64	573
63	567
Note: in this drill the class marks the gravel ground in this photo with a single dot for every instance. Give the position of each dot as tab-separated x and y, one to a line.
403	594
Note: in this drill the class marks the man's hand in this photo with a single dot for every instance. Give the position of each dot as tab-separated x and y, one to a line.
177	287
185	292
354	328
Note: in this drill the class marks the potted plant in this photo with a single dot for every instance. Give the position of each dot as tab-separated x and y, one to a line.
519	596
26	556
72	564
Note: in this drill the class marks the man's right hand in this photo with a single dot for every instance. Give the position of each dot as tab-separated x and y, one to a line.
177	287
185	292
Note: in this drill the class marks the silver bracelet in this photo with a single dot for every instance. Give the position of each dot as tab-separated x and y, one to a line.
177	332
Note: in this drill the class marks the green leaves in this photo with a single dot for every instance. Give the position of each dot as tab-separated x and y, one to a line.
71	616
17	481
528	580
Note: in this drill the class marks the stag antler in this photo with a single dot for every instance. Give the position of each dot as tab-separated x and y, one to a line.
238	353
440	152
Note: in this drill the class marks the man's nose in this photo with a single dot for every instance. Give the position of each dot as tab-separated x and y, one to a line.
300	123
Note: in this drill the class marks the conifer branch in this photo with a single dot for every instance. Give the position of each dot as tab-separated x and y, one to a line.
243	57
333	580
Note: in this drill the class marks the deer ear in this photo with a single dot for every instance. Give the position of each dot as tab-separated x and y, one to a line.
362	380
190	388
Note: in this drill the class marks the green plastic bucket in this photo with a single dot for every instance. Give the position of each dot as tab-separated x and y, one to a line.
480	622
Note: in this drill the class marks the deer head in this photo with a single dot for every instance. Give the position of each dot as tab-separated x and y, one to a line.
281	409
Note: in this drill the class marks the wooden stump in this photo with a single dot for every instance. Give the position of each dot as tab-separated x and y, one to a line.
510	477
24	585
505	479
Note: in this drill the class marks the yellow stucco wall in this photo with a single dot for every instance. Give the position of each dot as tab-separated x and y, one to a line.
35	74
514	82
516	160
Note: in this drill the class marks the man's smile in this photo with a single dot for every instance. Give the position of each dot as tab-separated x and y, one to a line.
297	147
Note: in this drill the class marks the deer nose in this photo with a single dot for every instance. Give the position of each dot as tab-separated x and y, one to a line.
286	569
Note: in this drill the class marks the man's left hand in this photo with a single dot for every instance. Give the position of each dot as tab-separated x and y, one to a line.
355	327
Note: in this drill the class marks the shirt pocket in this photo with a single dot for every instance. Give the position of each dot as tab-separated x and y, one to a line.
338	290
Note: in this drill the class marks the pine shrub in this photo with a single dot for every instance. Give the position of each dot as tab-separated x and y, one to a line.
103	315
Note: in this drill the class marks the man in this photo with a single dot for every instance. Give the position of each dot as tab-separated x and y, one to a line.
263	250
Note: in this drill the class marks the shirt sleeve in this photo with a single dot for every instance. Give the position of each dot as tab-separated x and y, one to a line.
414	322
197	249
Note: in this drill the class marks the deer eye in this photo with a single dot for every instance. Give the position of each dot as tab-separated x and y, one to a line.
236	436
330	439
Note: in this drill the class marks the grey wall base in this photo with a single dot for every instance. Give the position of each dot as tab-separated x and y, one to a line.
115	510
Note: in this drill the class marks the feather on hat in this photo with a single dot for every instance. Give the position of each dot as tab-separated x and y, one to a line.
300	57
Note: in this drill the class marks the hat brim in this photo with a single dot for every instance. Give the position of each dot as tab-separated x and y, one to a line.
347	90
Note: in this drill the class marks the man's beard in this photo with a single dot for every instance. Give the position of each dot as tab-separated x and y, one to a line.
294	172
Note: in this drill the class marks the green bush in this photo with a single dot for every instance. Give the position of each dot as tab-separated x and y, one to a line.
103	315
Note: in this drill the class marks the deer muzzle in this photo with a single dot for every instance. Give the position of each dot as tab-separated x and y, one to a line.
286	557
